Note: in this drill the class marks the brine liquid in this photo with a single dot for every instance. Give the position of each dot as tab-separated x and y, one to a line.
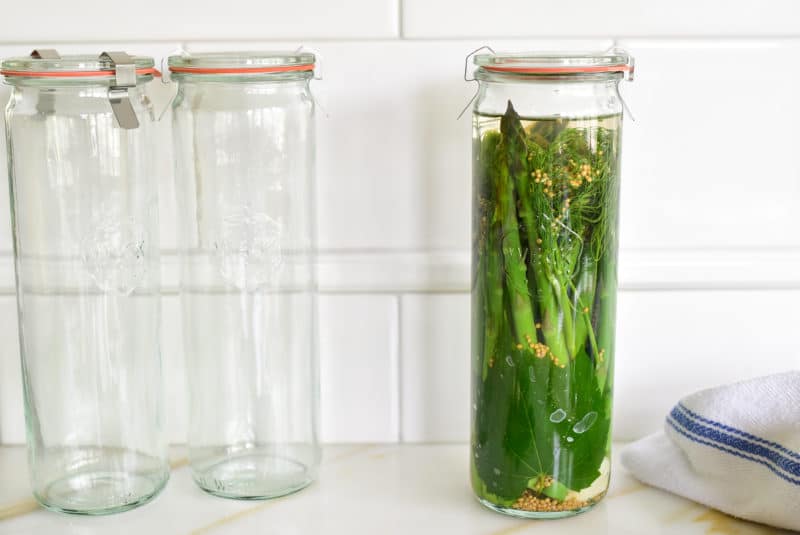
543	310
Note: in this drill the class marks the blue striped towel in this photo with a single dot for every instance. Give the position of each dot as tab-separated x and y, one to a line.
734	448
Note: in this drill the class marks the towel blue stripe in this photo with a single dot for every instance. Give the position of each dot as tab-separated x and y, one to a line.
745	434
784	463
732	452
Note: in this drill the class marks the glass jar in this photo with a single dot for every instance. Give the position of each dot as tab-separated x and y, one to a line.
244	141
85	221
546	150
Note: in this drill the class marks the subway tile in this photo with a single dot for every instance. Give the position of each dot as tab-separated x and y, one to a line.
434	363
670	344
708	163
358	368
91	20
432	19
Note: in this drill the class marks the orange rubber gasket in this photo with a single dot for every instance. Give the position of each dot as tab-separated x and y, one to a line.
242	70
75	74
560	70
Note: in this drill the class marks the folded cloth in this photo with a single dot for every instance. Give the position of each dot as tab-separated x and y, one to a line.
735	448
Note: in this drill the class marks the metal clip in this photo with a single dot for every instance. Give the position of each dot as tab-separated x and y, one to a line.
466	60
318	65
466	79
318	60
124	79
627	77
46	103
45	53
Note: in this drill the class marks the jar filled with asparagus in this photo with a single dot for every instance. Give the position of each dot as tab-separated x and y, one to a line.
544	279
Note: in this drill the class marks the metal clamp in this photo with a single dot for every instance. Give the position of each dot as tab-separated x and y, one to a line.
46	104
467	79
124	78
472	54
45	53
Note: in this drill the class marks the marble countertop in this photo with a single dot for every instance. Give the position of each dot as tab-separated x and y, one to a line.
379	489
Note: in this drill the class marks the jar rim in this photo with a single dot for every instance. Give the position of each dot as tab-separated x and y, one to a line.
243	62
71	66
556	63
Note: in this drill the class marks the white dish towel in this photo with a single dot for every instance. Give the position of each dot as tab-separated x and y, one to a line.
734	448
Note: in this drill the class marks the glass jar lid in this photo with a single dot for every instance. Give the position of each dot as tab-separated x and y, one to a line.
72	66
238	63
555	64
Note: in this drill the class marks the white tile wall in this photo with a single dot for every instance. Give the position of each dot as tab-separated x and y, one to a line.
672	343
95	20
471	18
435	367
359	368
713	123
710	265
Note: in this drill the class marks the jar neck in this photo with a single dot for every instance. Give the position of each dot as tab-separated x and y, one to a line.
227	94
573	96
288	78
69	83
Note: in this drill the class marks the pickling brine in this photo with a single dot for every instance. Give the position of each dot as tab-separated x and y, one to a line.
543	310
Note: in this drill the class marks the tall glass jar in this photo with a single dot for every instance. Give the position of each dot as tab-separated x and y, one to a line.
244	136
85	222
546	187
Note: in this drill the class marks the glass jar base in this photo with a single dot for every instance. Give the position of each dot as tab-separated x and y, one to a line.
253	477
101	493
536	515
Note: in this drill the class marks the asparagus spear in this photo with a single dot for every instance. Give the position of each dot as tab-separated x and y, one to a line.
513	255
492	263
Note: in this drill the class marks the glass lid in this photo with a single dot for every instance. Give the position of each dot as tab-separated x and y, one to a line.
242	62
554	63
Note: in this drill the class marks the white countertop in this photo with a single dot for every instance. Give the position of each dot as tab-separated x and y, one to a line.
381	489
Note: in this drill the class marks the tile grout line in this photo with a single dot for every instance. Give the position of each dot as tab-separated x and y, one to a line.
400	27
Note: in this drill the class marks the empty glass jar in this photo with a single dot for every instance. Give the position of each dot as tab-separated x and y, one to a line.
244	140
85	222
546	152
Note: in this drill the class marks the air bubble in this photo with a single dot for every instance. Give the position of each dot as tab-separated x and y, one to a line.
509	361
558	416
570	439
496	471
585	423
